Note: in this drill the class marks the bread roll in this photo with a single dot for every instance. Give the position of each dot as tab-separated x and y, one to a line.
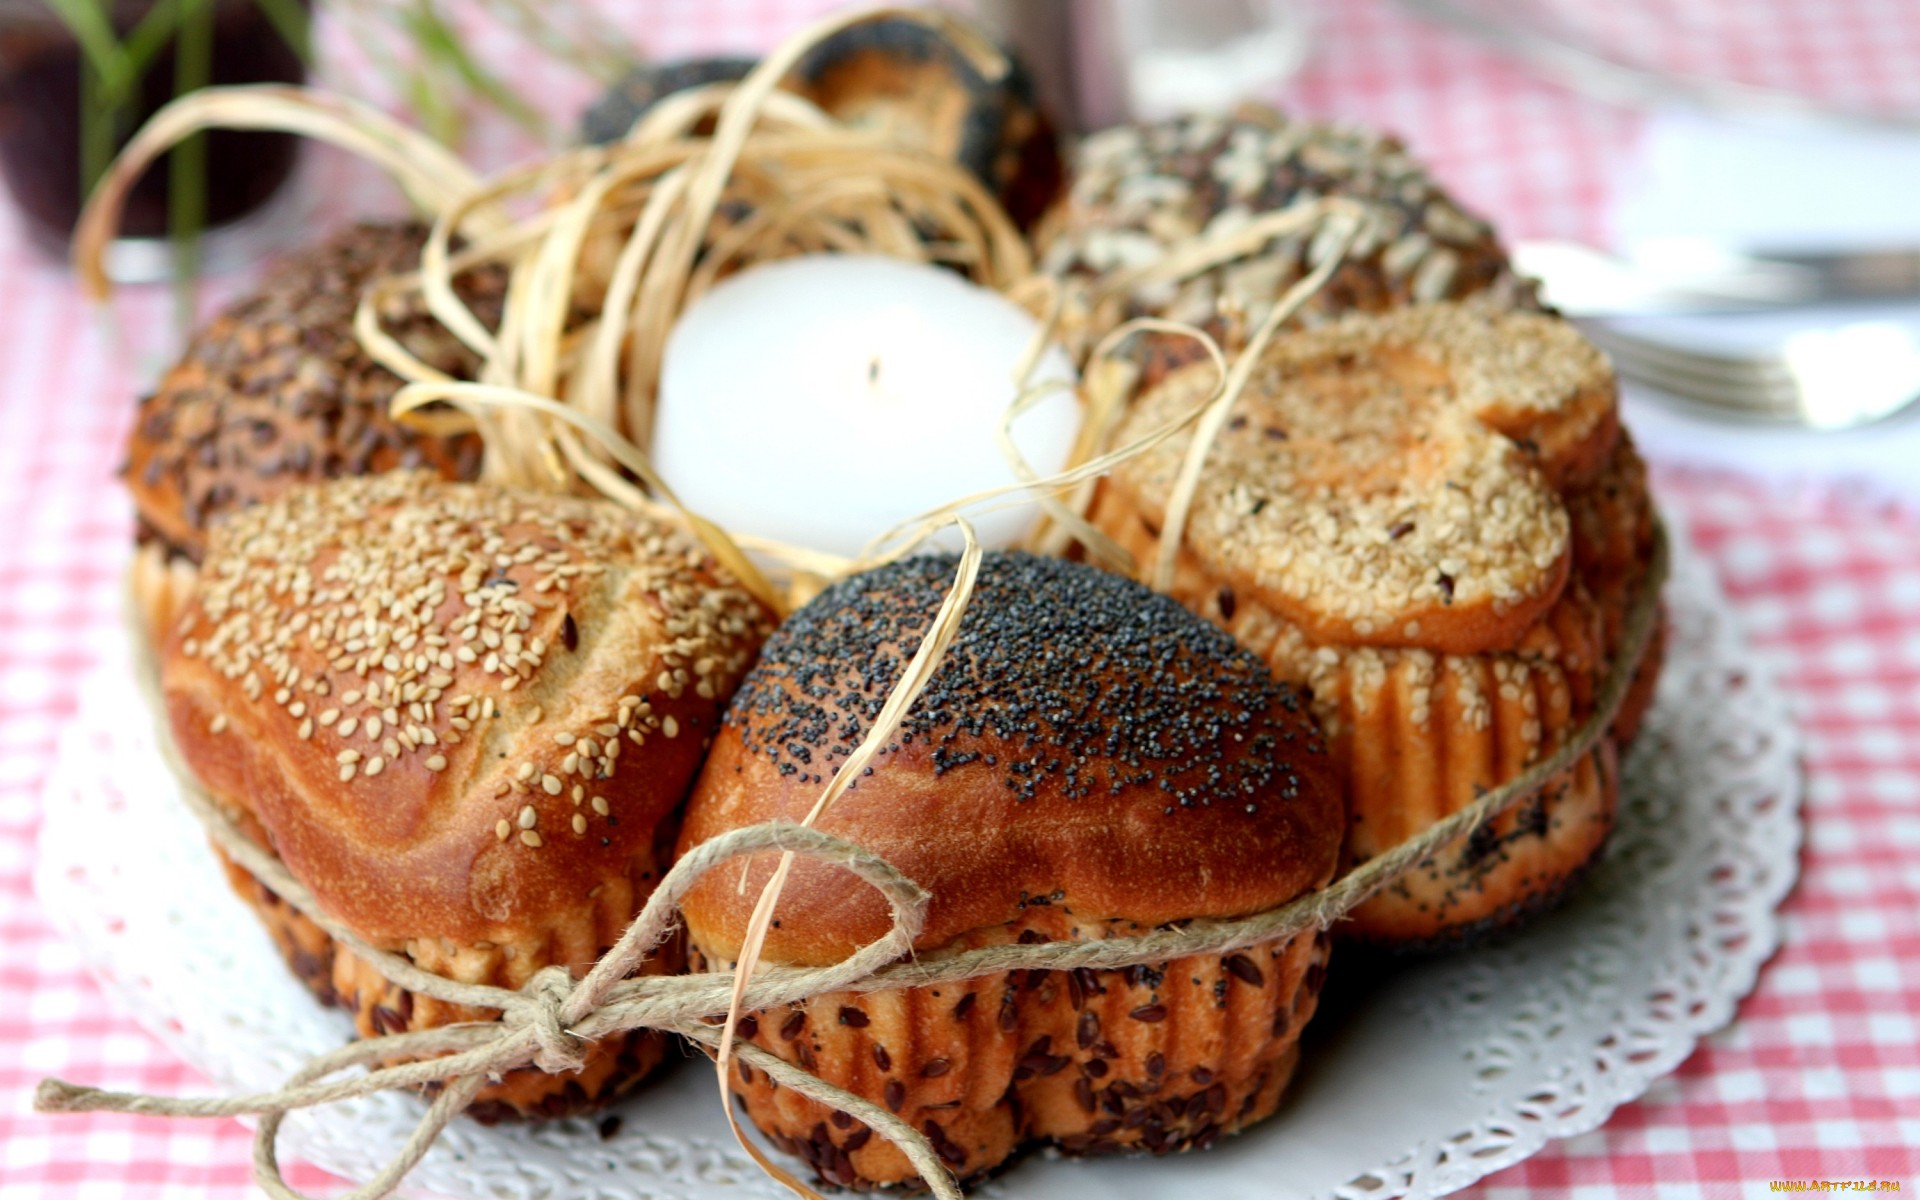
1141	193
465	718
1089	762
1428	517
277	391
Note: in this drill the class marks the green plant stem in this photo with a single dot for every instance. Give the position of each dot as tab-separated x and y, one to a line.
187	164
293	23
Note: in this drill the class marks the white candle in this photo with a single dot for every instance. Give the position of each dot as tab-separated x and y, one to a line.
820	400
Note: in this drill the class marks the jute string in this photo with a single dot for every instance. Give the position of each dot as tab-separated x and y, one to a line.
547	1023
561	402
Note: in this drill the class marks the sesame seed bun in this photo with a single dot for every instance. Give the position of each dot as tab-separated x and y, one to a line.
464	717
1090	761
1392	479
276	390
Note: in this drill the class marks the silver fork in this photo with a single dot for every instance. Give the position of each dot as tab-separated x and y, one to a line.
1830	378
1823	379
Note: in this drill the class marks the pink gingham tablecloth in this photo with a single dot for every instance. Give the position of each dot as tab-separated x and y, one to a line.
1819	1078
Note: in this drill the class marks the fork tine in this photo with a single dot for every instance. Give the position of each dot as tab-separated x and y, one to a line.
1705	363
1758	387
1717	392
1774	388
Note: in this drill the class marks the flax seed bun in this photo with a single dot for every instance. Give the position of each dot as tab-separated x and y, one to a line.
1142	192
1089	762
465	718
1430	519
276	391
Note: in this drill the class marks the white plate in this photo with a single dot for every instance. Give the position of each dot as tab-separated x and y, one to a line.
1416	1081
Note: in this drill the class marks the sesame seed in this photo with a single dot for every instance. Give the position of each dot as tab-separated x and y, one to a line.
565	739
347	756
579	823
600	805
528	817
530	838
218	724
669	726
503	829
370	589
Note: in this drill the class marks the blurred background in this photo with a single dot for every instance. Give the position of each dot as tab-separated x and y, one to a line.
1721	187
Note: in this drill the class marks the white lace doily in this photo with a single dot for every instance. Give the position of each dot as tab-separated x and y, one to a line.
1415	1081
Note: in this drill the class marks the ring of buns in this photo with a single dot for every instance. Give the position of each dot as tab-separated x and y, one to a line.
478	724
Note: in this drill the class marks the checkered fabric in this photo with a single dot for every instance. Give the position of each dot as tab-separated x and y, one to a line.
1819	1078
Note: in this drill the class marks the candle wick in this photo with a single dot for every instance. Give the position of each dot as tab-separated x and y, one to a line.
873	370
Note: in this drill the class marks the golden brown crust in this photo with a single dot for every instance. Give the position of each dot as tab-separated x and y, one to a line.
457	712
336	976
276	391
1419	735
1517	864
1090	761
1161	752
1391	480
1421	732
1613	530
1162	1058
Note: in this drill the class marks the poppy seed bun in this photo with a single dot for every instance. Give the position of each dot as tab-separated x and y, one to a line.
1082	736
277	391
464	717
1090	761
